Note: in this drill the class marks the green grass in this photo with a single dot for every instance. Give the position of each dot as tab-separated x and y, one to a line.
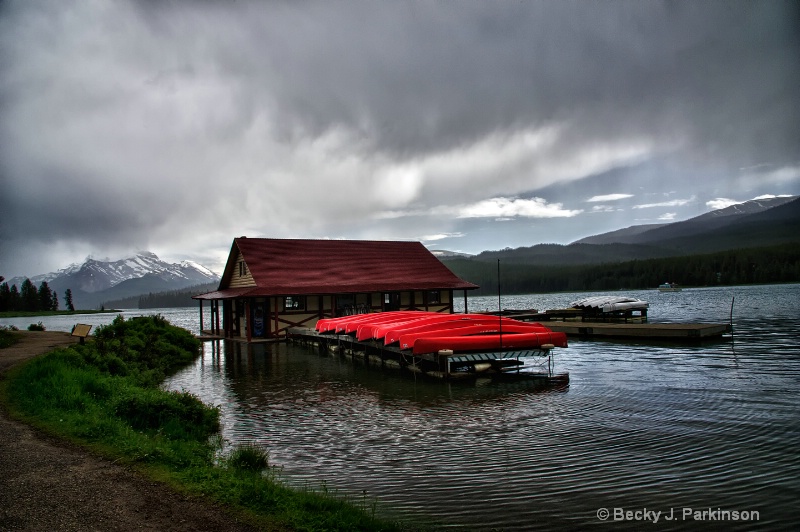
249	457
105	395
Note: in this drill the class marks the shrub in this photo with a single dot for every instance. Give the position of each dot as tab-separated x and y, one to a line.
176	415
36	327
249	457
148	346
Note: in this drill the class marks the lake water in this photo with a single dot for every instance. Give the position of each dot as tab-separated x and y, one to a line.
642	427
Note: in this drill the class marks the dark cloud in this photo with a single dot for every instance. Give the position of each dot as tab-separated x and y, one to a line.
146	124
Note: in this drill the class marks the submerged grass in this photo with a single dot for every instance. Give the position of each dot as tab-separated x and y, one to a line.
105	395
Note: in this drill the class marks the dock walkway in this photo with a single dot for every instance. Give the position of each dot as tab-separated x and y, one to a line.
577	323
652	331
442	365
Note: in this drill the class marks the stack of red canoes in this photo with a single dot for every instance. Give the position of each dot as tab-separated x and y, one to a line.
430	332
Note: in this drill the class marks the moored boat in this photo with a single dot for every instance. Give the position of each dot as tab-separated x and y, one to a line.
407	340
391	333
450	346
339	324
491	342
609	304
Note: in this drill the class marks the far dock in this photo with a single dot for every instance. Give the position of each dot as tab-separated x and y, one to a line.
649	331
578	323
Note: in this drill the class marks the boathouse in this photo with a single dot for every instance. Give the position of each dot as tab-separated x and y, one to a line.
270	285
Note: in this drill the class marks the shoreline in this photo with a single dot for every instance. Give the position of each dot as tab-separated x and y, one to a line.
50	484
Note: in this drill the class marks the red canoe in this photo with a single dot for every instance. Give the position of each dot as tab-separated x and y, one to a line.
340	323
493	342
434	321
407	340
365	331
391	333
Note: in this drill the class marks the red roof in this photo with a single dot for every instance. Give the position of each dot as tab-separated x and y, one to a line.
297	267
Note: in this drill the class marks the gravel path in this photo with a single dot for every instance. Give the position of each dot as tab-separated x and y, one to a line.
47	484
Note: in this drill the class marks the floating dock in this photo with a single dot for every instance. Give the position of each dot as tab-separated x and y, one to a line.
501	365
652	331
578	324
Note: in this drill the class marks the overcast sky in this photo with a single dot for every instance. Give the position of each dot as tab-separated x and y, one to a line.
175	126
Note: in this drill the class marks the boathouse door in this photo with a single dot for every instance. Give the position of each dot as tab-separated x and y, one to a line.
391	301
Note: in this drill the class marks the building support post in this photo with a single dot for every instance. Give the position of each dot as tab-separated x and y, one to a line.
201	316
247	320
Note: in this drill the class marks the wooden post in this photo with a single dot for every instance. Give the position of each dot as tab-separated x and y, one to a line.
201	316
247	319
444	355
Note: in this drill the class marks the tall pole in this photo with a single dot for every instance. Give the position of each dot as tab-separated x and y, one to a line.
499	306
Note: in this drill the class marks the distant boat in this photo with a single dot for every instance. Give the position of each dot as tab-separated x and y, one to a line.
669	287
610	303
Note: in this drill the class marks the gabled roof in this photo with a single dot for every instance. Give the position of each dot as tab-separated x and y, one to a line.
300	266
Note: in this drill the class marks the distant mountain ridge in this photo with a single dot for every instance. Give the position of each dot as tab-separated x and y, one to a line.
95	281
444	254
751	224
656	233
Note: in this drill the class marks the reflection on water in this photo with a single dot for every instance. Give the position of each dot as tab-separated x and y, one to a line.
712	425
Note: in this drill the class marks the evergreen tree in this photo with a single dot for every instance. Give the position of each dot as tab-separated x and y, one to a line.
45	297
14	299
54	302
29	296
68	300
5	297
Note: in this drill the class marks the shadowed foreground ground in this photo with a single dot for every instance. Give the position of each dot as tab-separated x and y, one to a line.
47	484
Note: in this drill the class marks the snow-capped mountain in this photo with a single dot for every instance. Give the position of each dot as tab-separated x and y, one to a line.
445	254
656	234
749	207
97	275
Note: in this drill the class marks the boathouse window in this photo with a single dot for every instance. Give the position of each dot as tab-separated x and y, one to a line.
294	303
433	297
242	269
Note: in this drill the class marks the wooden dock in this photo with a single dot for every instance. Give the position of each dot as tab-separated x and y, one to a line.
642	331
577	323
501	365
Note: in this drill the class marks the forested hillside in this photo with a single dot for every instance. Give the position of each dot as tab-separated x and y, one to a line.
711	232
172	298
776	264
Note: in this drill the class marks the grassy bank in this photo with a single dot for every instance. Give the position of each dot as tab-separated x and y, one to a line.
105	395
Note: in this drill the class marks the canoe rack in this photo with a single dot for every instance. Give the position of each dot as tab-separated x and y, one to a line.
444	364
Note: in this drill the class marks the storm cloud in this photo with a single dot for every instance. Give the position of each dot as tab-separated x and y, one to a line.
176	126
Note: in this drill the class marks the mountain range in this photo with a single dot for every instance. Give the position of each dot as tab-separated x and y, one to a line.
752	224
96	281
755	223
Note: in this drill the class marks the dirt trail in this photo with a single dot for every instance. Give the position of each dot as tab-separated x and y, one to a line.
47	484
